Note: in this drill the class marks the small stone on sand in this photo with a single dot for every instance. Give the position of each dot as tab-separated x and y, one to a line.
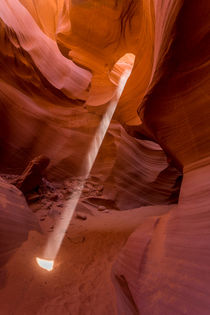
101	208
81	216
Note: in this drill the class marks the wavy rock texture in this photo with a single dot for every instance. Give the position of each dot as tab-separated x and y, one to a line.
148	179
164	265
44	119
16	220
61	63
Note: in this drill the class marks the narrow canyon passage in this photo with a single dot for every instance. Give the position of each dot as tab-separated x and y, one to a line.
104	157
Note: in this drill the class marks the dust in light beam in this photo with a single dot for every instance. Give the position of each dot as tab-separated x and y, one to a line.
55	240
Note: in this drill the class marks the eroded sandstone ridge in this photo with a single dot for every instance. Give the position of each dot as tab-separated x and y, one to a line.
61	63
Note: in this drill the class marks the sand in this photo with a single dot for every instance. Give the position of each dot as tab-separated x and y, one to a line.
80	283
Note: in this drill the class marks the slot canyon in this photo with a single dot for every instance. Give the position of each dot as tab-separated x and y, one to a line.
104	157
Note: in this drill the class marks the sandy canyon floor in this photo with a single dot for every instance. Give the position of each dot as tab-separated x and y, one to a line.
80	283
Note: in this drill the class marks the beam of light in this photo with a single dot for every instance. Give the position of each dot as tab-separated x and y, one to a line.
45	264
57	236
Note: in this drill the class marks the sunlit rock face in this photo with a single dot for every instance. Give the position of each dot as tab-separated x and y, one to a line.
48	116
58	73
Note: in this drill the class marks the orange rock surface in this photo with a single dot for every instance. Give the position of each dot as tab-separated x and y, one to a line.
62	64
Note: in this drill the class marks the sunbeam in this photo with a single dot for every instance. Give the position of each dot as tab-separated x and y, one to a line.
55	240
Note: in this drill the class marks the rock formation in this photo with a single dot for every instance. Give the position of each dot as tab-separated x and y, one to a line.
31	178
61	64
16	220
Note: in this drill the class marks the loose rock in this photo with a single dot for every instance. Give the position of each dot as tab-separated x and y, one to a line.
101	208
81	216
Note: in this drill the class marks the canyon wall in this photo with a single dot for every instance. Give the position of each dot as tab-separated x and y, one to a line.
58	73
163	268
58	83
